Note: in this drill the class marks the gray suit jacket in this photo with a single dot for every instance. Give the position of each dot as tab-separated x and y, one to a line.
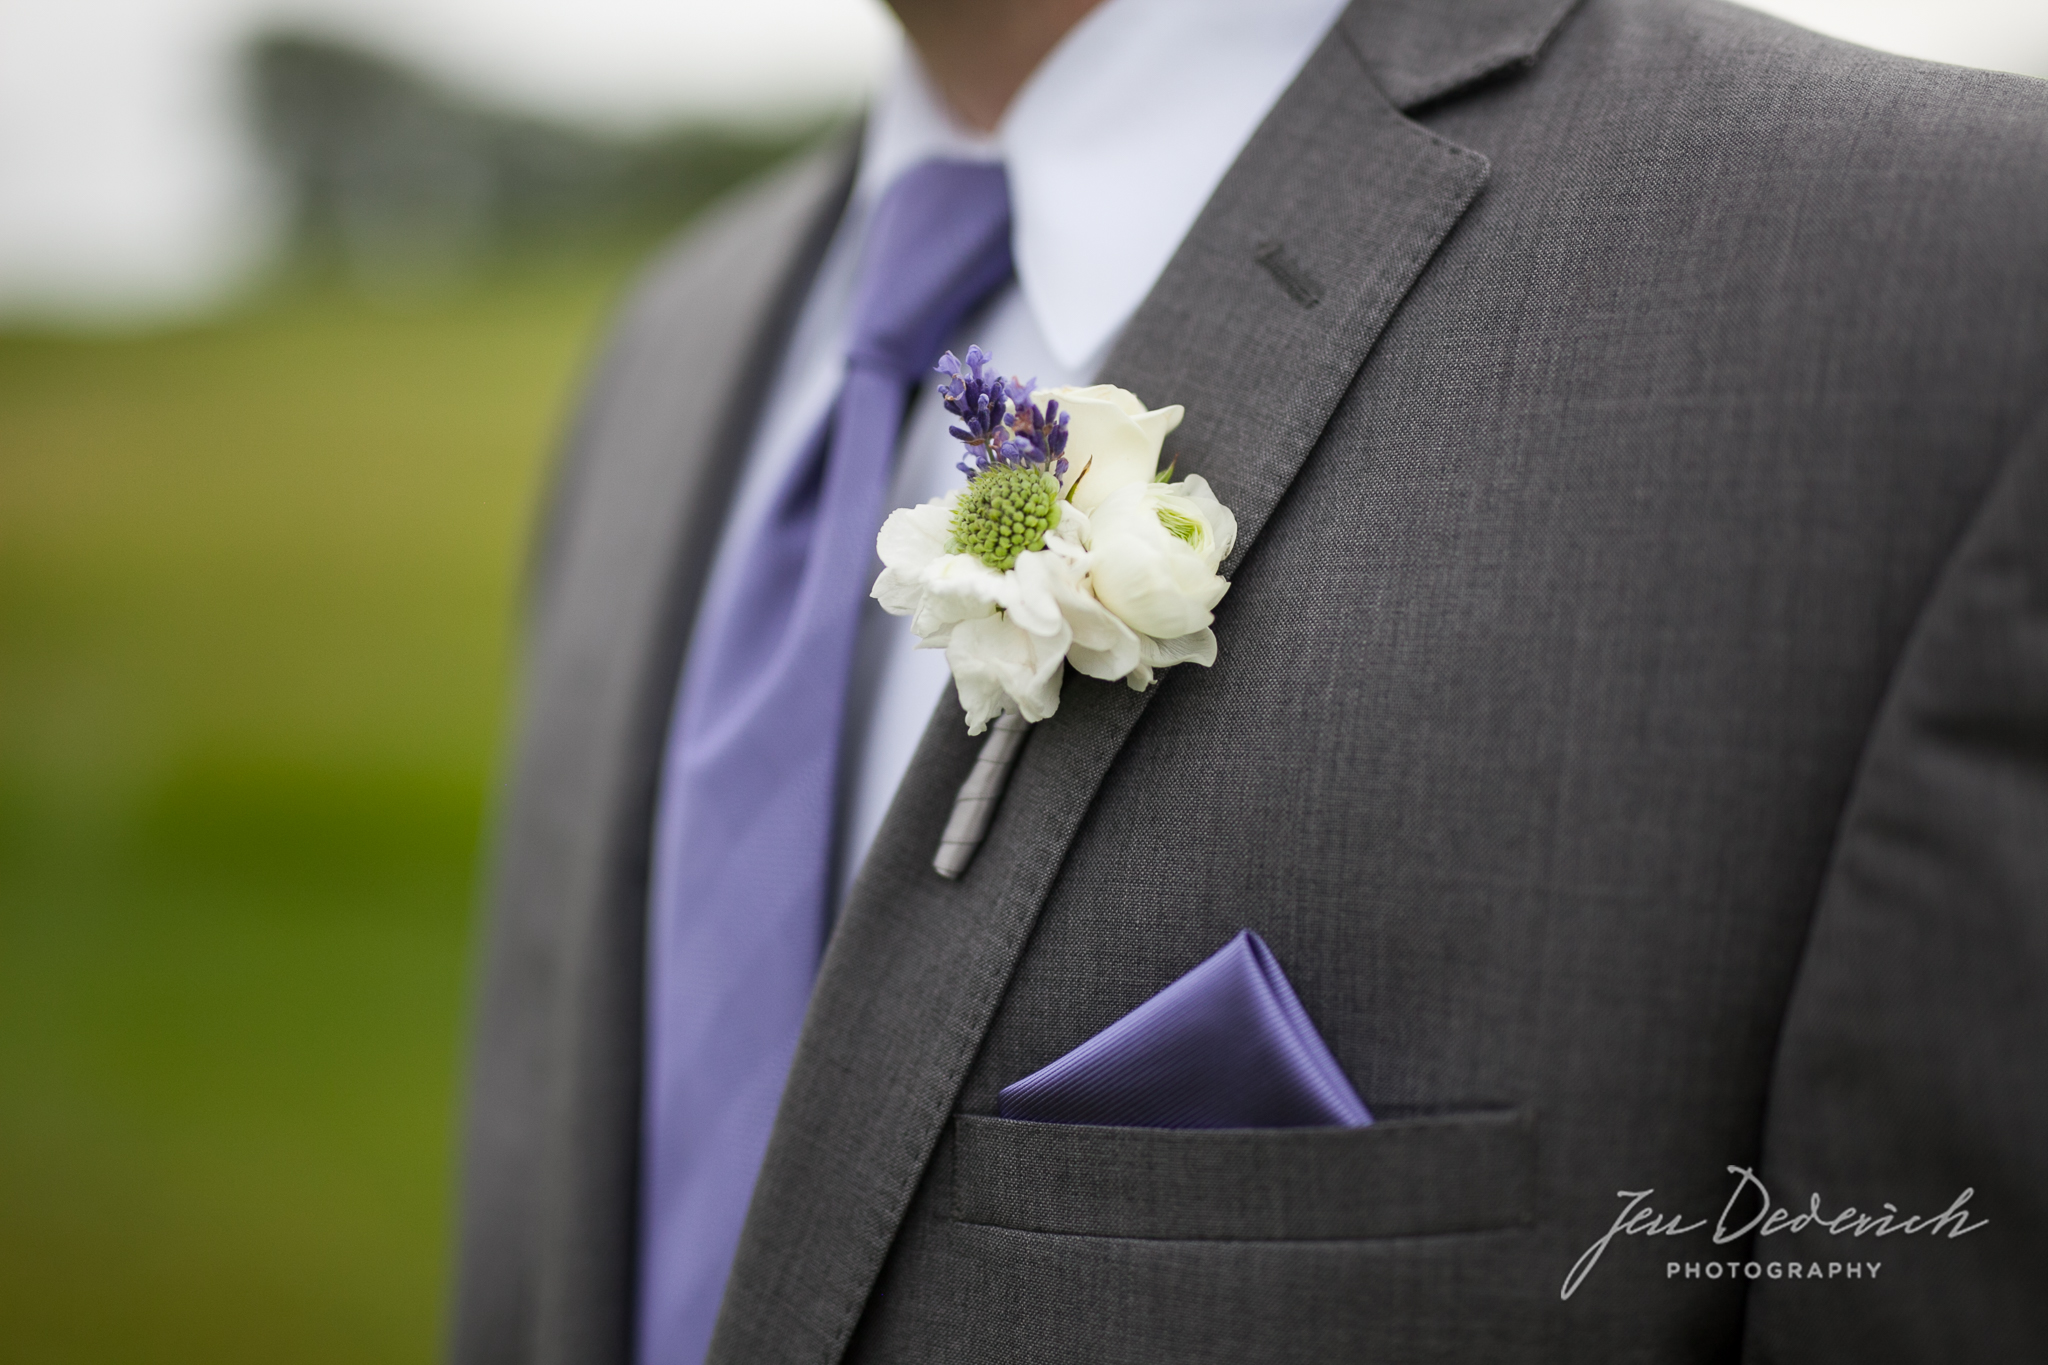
1630	733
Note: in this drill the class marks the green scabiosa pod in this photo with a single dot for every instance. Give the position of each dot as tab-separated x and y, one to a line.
1016	456
1005	512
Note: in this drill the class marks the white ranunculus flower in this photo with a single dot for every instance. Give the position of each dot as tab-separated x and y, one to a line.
920	580
1153	553
1099	644
1112	441
910	539
1006	635
998	666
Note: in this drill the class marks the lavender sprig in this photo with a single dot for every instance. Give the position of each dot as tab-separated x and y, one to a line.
999	424
976	395
1038	437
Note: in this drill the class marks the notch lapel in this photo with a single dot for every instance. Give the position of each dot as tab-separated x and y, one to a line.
1259	325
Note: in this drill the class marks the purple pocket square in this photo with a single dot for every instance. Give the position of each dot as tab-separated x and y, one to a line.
1226	1046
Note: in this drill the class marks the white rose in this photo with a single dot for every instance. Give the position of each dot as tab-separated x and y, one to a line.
1112	441
1153	553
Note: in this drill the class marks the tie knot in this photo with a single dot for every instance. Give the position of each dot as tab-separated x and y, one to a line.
939	243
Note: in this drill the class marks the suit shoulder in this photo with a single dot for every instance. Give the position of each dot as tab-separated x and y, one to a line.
1761	116
692	329
1736	65
690	281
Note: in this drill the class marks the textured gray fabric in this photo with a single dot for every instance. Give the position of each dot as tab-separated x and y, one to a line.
1911	1062
552	1144
1395	1178
1630	716
1420	50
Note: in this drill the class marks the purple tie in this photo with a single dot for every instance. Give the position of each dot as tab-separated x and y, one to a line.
744	834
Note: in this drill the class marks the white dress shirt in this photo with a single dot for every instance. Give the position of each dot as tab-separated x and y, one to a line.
1112	148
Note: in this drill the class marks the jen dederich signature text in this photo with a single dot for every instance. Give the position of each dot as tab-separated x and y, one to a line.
1638	1219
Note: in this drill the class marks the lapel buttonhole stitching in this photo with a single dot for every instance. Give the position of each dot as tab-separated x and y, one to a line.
1301	286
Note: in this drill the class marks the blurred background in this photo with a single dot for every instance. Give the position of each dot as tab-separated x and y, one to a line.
293	297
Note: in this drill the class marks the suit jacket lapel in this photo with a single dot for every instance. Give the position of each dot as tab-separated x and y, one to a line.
1259	325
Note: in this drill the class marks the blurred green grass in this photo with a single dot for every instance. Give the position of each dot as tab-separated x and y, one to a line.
257	609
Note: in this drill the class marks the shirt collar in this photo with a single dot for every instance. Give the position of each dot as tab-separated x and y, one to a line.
1113	146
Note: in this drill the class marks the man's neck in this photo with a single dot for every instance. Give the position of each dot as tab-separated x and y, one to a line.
979	55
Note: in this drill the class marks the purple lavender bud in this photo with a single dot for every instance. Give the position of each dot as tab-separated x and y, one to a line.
999	424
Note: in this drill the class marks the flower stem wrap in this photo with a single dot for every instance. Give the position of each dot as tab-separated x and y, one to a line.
975	806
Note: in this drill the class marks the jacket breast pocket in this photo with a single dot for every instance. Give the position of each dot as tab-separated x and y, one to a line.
1470	1172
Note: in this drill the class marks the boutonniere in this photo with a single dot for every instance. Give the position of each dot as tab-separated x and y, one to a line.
1067	546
